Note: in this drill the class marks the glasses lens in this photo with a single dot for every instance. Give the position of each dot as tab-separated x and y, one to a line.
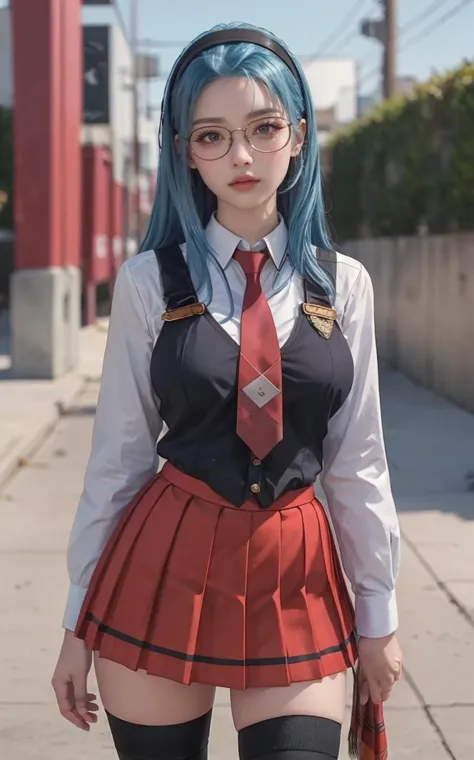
210	143
268	135
264	135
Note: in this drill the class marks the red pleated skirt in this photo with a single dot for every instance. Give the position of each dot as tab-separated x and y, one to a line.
192	588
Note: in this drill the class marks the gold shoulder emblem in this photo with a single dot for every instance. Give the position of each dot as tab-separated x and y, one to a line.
194	309
322	318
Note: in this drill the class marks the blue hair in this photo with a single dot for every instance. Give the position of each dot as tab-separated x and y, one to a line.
183	203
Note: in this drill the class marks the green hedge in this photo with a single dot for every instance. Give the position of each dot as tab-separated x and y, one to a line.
408	162
6	168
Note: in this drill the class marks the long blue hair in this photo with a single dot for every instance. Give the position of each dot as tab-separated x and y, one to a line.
183	204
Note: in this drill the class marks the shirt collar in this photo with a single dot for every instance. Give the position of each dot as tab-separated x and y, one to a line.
224	242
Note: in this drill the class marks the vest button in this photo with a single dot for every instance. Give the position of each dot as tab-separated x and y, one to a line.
257	462
255	488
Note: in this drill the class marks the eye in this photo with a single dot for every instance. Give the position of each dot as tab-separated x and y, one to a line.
269	128
264	129
208	136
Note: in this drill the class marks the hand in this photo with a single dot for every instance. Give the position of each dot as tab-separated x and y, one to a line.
69	682
380	667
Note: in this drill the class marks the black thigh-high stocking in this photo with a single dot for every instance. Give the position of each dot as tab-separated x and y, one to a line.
183	741
291	737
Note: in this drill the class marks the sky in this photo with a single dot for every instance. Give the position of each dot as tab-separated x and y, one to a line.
306	25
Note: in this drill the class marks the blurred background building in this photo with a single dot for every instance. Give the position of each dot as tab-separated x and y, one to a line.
333	85
119	153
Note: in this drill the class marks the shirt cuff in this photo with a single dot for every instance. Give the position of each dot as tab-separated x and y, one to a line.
376	616
74	601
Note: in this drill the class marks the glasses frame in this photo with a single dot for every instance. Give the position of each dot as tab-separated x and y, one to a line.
231	140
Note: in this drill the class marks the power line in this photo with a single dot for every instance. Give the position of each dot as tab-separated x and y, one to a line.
121	19
424	32
366	59
349	18
369	75
446	17
422	16
406	27
410	24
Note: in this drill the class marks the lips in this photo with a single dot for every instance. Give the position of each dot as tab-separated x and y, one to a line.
244	184
244	180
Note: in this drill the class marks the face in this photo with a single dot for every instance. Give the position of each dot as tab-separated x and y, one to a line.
234	103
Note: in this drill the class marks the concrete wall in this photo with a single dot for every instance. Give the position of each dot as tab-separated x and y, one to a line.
424	308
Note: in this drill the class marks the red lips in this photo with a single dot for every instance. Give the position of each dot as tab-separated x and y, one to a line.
244	179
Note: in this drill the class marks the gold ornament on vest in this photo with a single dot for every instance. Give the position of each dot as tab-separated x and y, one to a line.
322	318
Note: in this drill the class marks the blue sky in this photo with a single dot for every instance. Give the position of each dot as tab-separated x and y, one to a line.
306	25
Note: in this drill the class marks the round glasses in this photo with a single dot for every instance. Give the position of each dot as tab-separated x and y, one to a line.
263	135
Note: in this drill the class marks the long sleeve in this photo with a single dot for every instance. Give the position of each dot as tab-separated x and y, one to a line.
126	428
355	477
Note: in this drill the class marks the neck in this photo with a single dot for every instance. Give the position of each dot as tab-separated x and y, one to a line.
250	225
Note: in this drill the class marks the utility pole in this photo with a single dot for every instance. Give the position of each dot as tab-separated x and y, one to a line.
384	30
390	49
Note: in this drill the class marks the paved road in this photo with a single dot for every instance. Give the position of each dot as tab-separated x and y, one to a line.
431	716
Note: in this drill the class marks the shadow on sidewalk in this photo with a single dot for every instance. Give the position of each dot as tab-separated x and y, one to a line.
430	448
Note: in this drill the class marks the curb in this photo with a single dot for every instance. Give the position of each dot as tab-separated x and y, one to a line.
38	433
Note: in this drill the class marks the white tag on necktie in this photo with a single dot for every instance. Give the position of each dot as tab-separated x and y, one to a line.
261	391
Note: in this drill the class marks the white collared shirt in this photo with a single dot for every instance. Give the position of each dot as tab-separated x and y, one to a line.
127	424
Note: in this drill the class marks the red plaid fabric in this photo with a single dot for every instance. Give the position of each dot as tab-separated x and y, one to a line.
367	735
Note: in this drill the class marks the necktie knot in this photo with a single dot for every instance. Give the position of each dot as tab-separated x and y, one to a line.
251	261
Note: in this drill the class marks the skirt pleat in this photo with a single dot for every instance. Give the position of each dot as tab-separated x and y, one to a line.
343	611
222	633
147	560
339	611
113	561
180	592
297	596
264	630
192	588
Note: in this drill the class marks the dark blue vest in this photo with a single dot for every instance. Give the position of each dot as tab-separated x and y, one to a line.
194	374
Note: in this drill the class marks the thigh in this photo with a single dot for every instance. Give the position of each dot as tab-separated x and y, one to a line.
137	697
325	698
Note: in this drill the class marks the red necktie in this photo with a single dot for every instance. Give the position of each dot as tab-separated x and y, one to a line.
259	404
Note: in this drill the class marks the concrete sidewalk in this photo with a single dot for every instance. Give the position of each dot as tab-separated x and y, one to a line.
29	409
431	451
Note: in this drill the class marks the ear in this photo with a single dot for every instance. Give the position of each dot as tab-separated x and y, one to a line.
300	138
177	142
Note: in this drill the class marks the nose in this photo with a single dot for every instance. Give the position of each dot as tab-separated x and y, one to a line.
240	151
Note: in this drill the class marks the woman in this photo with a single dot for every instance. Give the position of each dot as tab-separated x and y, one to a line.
253	341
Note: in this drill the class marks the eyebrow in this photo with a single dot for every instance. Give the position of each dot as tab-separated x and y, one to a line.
220	120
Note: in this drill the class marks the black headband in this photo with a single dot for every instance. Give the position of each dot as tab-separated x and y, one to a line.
226	37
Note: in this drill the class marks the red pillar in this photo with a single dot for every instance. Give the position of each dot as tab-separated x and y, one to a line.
37	132
71	159
47	62
47	117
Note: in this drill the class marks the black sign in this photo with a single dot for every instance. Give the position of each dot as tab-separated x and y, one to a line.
96	109
98	2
